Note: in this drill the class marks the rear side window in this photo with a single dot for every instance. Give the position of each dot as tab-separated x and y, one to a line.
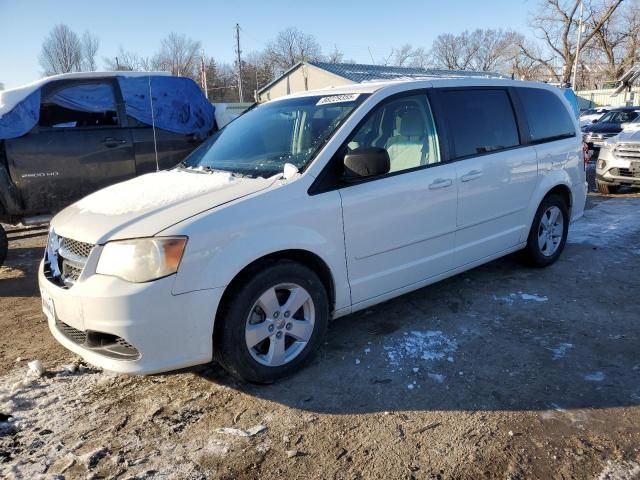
83	105
480	121
547	116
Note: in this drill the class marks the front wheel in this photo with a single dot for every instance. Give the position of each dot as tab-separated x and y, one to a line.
4	245
273	324
548	233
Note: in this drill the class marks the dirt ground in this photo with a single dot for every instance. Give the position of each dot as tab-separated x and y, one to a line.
501	372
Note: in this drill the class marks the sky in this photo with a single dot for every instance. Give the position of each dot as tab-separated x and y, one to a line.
354	27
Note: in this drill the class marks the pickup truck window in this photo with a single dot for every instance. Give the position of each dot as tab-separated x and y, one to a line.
83	105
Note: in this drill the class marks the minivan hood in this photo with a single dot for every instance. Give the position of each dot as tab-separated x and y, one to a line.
148	204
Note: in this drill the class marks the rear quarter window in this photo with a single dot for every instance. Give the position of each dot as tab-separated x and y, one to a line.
547	116
480	120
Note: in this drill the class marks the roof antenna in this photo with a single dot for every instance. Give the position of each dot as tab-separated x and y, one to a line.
153	125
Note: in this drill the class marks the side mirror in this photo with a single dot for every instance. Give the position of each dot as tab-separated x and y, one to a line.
366	162
594	120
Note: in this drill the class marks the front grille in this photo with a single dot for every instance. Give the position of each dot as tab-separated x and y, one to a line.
629	151
75	248
590	137
73	334
70	272
65	259
625	172
103	343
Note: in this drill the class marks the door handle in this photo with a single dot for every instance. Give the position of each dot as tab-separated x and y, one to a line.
472	175
111	142
440	183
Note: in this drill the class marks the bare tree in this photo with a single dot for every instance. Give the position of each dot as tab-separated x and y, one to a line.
618	40
290	47
90	45
179	55
403	56
126	60
483	50
451	51
1	86
335	56
61	51
555	25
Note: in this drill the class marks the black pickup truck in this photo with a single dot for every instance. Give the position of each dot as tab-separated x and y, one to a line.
91	131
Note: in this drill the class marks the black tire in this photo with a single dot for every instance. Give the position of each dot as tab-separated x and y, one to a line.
606	188
532	255
4	246
229	344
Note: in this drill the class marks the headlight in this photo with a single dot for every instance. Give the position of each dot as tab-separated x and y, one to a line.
141	260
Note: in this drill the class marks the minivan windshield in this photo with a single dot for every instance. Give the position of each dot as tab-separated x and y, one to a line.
260	142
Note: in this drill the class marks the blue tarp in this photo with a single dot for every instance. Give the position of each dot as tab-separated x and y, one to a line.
178	104
22	118
92	97
570	95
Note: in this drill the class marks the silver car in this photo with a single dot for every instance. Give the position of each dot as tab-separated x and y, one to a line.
619	160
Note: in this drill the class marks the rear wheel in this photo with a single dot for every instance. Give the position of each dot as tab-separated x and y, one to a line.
4	246
548	233
606	188
273	324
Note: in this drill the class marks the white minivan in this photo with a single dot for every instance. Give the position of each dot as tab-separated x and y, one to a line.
308	208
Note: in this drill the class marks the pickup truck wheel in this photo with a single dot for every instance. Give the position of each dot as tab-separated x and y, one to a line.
548	233
606	188
4	246
273	324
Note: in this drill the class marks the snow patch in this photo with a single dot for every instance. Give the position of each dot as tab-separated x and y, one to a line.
436	377
594	377
561	350
608	223
153	191
625	470
535	298
527	297
35	368
426	345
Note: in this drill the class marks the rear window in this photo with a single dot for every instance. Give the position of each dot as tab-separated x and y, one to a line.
547	116
481	121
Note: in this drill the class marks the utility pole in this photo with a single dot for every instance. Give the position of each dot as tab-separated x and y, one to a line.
203	75
239	62
575	61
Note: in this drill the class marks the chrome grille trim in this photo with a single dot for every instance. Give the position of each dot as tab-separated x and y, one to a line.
66	258
73	248
629	151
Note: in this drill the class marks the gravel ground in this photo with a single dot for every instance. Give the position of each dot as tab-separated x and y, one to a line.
501	372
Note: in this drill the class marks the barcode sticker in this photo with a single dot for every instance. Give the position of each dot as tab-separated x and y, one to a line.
349	97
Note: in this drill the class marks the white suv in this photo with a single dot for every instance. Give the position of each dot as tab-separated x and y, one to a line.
308	208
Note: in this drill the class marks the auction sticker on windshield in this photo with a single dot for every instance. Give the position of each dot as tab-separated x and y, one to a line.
350	97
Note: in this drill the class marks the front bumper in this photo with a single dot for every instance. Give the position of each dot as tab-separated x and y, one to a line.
164	331
613	170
